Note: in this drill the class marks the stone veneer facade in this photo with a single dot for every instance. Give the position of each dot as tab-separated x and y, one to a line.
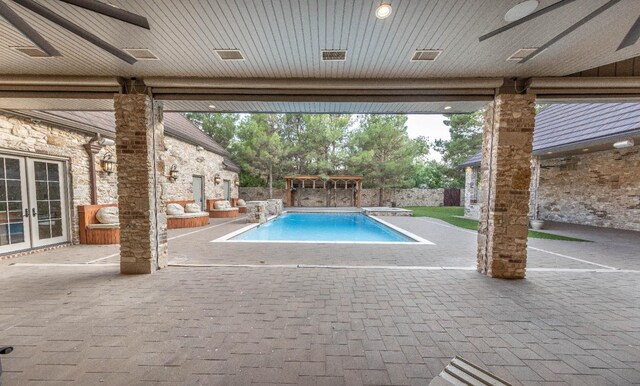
504	195
40	139
342	197
600	189
193	162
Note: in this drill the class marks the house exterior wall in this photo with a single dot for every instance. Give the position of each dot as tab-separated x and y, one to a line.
42	140
600	189
190	161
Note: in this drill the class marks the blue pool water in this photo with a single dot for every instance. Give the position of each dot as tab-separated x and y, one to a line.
324	227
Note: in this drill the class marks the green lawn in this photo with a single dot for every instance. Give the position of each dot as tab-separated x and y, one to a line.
449	213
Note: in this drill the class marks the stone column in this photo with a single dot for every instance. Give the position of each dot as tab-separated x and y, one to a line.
470	186
143	221
504	194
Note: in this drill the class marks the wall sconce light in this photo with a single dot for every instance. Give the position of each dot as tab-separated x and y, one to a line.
108	163
173	172
217	179
236	182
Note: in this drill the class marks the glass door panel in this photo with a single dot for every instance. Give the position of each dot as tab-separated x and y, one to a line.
14	226
49	223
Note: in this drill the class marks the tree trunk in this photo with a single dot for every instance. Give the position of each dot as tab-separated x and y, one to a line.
380	196
270	181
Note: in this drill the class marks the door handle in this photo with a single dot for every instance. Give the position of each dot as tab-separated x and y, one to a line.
33	212
26	212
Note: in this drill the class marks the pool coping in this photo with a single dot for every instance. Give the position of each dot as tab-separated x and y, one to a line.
417	240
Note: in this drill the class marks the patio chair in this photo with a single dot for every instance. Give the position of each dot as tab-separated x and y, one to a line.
4	350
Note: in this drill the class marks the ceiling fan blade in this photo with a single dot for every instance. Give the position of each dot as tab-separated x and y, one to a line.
632	36
525	19
566	32
21	25
111	11
81	32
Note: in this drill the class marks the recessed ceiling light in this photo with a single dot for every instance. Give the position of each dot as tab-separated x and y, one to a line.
212	106
549	152
521	10
623	144
447	107
585	149
383	11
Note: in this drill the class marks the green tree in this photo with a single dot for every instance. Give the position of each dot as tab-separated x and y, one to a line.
466	140
383	153
323	142
259	149
221	127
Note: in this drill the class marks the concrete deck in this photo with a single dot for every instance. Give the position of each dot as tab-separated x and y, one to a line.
238	313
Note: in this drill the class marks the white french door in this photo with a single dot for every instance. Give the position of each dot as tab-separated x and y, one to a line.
33	205
14	203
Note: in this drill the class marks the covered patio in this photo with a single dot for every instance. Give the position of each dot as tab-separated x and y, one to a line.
214	317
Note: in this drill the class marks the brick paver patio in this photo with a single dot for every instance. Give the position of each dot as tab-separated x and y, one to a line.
570	322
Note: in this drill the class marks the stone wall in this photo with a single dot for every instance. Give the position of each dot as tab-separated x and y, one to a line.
342	197
193	162
599	189
40	139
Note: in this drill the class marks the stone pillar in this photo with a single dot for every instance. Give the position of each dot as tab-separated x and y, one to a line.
470	186
256	212
504	194
143	221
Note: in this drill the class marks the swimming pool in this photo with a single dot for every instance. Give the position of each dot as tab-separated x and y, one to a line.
325	227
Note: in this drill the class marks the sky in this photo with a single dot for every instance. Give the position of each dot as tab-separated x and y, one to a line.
430	126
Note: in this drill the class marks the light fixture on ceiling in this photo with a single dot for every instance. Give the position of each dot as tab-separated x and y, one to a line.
623	144
585	149
447	107
383	11
212	106
521	10
549	152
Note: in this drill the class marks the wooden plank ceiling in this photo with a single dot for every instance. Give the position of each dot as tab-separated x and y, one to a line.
284	39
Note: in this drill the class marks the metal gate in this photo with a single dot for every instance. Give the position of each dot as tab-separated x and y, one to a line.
452	197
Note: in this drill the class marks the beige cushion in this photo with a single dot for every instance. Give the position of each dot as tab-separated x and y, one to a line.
189	215
108	215
174	209
241	202
103	226
192	208
225	210
222	205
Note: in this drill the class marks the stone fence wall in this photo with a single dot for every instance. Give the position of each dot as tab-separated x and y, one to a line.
342	198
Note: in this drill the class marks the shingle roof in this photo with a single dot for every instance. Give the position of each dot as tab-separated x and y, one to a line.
175	125
563	126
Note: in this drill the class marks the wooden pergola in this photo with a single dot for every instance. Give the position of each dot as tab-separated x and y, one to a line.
292	183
